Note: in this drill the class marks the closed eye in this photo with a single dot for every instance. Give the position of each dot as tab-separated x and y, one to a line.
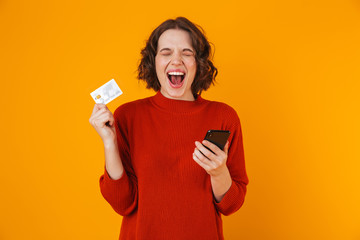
188	52
165	51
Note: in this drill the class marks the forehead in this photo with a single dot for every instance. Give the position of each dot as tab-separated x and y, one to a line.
175	38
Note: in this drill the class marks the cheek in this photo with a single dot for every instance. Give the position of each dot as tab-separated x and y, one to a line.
191	65
160	66
160	63
157	63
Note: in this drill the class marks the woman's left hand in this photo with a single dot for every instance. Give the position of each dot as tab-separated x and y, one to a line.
213	163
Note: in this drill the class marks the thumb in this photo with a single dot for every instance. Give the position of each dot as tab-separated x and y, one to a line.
226	148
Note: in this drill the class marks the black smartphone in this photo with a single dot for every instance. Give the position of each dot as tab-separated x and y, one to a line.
217	137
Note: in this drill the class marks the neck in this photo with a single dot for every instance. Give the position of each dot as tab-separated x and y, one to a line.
176	105
186	97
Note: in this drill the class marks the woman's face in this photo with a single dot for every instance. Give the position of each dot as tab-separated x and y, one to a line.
175	64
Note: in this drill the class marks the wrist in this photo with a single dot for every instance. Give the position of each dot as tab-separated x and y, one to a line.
224	172
110	143
221	183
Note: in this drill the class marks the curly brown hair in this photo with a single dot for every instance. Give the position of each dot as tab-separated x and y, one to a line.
205	69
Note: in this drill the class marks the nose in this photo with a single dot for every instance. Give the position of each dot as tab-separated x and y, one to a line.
176	60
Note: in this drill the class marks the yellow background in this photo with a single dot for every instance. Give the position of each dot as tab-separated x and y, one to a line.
291	69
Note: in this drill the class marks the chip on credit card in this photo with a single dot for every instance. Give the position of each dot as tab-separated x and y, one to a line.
107	92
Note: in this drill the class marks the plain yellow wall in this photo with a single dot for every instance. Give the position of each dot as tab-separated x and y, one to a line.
291	69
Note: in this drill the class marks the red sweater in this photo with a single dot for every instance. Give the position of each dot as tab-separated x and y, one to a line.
164	193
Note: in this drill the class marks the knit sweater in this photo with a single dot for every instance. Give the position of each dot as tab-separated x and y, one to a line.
164	193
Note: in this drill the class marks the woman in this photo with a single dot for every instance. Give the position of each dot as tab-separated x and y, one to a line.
158	174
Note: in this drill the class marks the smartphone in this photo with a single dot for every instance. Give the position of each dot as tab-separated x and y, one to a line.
217	137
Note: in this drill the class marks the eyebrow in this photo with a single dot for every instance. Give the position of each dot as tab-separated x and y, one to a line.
165	49
188	49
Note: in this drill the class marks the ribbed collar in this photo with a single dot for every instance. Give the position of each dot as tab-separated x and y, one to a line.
177	106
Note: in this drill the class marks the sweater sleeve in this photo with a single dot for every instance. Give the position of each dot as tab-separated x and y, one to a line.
235	196
121	194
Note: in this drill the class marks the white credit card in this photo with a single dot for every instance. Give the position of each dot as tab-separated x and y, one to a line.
107	92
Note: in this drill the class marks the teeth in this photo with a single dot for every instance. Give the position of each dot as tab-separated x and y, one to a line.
175	73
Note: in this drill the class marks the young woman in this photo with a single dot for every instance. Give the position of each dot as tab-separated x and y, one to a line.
158	173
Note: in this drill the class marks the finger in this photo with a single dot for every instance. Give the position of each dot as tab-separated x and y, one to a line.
98	106
204	150
108	119
212	147
201	164
99	113
201	156
101	121
214	162
95	110
111	120
209	163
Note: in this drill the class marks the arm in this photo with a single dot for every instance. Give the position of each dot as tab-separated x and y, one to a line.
221	184
113	164
234	198
226	169
118	184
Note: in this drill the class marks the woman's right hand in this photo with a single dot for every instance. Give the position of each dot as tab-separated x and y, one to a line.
103	121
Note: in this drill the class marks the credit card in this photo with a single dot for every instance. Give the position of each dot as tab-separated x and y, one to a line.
107	92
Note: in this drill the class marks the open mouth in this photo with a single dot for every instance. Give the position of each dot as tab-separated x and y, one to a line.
176	78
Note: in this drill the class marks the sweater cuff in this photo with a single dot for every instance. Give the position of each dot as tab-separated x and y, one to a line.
230	201
112	182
